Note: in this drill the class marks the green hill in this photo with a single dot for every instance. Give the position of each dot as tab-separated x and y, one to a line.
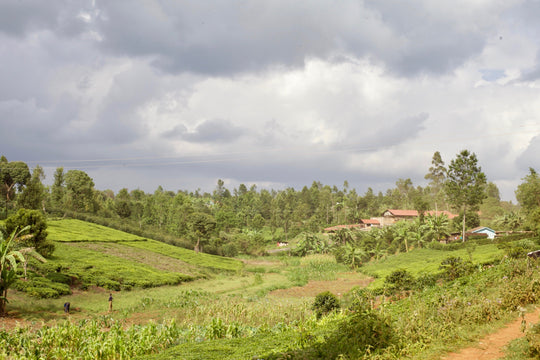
93	255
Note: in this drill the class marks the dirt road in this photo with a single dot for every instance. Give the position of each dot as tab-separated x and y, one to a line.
492	346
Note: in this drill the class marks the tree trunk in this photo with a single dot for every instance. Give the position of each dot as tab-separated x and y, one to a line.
463	232
3	298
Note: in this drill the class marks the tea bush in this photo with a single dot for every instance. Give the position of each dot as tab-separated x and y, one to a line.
325	303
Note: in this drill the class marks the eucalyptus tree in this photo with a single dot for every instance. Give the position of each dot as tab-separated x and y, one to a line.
436	176
80	191
465	184
13	175
528	192
33	194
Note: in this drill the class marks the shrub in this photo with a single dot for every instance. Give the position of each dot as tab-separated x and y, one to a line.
325	303
399	280
533	339
454	267
230	250
363	330
38	229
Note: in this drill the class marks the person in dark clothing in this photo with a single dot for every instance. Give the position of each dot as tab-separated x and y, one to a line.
110	302
66	307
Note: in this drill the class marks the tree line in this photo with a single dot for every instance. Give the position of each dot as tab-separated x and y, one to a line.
247	218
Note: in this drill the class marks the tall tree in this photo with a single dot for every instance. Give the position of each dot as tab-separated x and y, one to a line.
436	177
80	191
528	192
465	184
13	175
33	195
58	190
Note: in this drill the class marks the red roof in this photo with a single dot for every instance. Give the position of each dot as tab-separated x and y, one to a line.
414	213
370	221
397	212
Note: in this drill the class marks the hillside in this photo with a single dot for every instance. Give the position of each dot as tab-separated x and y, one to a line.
93	255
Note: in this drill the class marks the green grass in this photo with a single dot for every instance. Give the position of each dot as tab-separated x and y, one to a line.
72	230
113	272
231	349
425	261
189	256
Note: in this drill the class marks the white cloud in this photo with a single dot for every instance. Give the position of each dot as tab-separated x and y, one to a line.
274	93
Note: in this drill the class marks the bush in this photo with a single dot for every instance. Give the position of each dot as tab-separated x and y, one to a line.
325	303
363	330
454	267
38	229
399	280
230	250
40	287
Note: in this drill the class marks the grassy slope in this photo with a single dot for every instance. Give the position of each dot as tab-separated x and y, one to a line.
425	261
418	262
72	230
96	255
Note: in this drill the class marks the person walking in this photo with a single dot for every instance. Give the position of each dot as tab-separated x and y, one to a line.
110	302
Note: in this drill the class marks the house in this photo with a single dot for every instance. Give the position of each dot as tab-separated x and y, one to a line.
370	223
391	216
490	233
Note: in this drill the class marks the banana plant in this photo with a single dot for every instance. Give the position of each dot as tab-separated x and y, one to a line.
9	261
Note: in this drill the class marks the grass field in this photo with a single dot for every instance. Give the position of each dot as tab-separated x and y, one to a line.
426	261
183	304
71	230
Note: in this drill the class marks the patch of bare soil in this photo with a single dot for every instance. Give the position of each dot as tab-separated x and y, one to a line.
492	346
312	288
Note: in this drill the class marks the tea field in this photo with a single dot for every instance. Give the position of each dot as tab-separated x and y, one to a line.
172	303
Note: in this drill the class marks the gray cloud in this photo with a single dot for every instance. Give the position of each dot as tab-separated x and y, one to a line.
209	131
225	37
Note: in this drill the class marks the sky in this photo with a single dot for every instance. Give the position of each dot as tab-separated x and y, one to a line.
179	94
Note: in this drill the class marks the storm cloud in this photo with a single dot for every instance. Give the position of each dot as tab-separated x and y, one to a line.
274	93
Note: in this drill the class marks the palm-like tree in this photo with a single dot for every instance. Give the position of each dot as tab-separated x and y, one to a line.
437	227
353	254
9	260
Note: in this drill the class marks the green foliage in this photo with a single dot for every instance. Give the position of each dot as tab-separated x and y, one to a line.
399	280
40	287
465	184
325	303
33	194
38	229
454	267
79	191
533	341
9	260
71	230
86	340
13	176
528	192
101	268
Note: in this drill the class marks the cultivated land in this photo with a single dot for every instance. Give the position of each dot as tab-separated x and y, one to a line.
175	303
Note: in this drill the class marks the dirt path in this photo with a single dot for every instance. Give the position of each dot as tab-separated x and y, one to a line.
492	346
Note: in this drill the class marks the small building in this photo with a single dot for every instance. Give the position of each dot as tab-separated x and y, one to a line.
490	233
370	223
